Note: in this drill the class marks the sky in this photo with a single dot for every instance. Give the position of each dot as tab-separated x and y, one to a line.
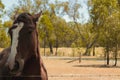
84	16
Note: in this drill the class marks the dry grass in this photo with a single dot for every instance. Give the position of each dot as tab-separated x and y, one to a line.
1	49
63	51
71	52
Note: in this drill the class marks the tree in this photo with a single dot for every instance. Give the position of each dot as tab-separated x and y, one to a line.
49	21
4	40
101	11
112	34
30	6
1	8
47	26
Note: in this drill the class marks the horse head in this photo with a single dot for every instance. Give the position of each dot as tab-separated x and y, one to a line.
24	40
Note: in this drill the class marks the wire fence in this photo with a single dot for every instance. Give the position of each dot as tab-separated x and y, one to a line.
83	77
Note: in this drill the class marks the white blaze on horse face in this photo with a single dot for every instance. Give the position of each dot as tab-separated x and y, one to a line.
15	36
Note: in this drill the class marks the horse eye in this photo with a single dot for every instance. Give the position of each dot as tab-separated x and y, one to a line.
29	31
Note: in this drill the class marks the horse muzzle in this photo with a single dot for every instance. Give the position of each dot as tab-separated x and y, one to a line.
18	67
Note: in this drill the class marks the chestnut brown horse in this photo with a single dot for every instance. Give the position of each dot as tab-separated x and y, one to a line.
22	61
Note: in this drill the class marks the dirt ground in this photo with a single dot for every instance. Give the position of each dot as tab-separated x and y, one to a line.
59	69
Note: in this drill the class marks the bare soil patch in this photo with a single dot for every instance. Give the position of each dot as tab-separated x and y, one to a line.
86	70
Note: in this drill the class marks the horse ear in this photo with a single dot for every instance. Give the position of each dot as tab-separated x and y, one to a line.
36	16
14	17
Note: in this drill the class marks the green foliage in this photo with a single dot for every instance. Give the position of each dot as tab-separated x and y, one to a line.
105	18
47	27
103	27
1	10
4	39
101	9
7	24
45	21
73	11
1	6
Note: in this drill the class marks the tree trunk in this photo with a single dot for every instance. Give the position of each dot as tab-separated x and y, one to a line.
56	46
87	52
89	45
108	59
116	53
107	54
51	48
80	57
49	42
94	50
44	46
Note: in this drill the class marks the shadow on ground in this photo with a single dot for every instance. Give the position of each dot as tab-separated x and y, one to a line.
97	66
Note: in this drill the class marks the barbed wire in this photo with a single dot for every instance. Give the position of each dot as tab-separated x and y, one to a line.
68	75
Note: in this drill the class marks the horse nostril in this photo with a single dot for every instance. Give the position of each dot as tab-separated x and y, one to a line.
14	27
14	71
16	66
30	32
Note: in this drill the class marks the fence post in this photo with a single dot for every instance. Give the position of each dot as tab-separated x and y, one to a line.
80	57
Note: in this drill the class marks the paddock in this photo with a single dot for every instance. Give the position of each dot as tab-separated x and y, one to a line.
60	69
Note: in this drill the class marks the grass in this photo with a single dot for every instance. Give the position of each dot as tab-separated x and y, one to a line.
72	52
